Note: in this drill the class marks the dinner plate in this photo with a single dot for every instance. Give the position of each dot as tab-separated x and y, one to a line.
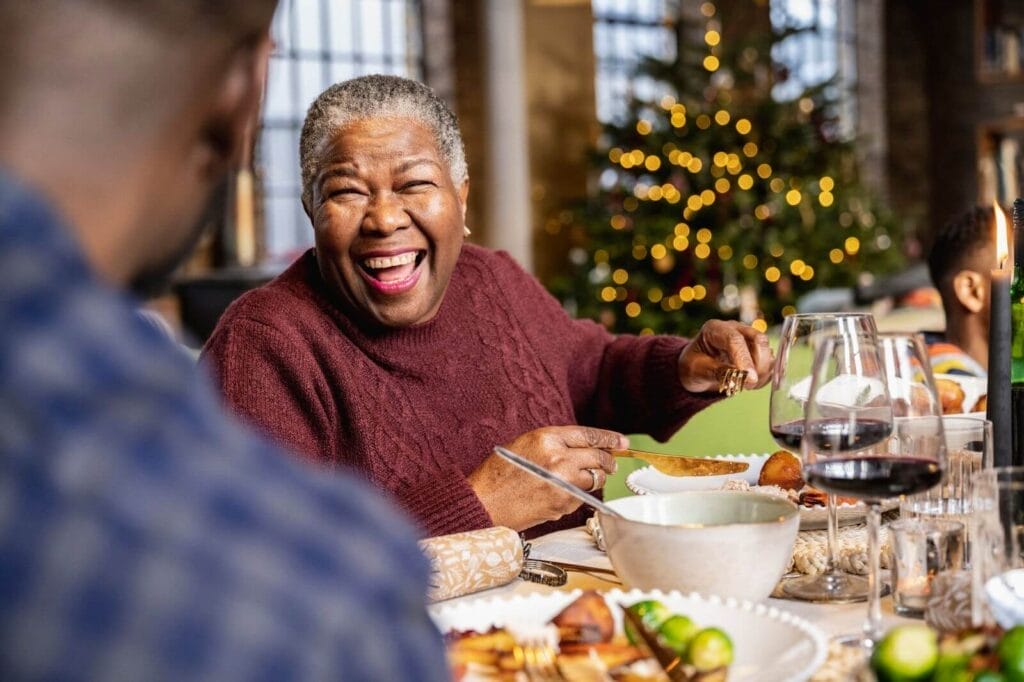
649	481
769	644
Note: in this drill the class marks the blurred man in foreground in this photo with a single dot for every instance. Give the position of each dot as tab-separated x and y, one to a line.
143	534
959	262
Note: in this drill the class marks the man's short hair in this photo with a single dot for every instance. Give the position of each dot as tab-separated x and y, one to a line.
378	96
958	242
169	16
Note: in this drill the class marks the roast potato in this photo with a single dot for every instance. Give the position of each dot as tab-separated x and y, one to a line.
951	396
784	470
585	621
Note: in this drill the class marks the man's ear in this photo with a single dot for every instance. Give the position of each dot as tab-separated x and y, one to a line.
235	109
971	290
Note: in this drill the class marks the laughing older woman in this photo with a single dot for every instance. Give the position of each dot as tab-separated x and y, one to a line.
394	348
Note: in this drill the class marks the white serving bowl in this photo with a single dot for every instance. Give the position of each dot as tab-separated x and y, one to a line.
728	543
1005	594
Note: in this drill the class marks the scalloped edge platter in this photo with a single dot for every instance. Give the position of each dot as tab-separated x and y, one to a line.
649	481
770	644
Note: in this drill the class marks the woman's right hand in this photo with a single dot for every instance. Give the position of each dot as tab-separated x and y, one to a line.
516	498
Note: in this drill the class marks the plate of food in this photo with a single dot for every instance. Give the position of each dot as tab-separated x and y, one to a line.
778	473
962	394
582	634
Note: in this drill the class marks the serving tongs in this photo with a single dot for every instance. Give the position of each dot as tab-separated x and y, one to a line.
669	660
678	465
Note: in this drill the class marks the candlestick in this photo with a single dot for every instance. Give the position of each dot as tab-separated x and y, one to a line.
999	400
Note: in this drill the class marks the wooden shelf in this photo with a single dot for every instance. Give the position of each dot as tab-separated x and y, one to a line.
999	41
1001	161
987	78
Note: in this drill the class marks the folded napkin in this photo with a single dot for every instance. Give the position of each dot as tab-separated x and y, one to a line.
851	555
468	562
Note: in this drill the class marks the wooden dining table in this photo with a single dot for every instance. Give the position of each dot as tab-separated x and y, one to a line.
576	546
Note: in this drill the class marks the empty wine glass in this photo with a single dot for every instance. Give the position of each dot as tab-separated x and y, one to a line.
874	431
802	336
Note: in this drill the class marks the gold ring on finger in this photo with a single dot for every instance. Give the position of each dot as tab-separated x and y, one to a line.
731	380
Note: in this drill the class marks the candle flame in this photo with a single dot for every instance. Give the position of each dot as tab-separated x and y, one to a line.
1002	249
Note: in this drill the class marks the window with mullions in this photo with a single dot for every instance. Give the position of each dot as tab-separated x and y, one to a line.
317	43
811	56
625	31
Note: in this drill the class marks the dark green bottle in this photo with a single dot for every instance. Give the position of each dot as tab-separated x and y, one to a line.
1016	342
1017	297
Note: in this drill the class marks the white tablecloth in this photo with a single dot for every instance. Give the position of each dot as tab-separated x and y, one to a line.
576	546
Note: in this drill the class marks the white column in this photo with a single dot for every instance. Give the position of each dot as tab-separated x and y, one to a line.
508	165
870	95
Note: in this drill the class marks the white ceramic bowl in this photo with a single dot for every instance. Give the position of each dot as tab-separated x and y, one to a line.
1005	594
733	544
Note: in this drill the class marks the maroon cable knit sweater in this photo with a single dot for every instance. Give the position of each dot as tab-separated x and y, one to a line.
418	409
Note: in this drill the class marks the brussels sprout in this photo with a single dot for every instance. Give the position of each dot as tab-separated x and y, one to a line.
905	654
989	676
652	613
709	650
1011	654
676	633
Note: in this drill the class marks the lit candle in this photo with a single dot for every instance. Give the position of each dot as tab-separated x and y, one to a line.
999	405
912	592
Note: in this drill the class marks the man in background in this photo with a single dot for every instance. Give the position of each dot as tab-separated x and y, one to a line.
143	534
959	263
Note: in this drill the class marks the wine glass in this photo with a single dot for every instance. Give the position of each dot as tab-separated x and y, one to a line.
874	431
802	336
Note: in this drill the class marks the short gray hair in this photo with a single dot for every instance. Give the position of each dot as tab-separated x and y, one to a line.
378	96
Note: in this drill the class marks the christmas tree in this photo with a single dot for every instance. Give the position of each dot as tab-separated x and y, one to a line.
717	200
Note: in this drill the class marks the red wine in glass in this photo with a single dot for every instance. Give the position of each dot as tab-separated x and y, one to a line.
842	434
835	433
874	478
789	435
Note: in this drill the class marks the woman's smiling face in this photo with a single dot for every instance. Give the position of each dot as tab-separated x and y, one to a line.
388	219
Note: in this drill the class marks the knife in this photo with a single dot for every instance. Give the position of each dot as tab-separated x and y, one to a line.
678	465
668	659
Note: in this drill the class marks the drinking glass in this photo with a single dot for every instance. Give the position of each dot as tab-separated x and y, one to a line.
873	431
997	547
968	451
802	336
921	549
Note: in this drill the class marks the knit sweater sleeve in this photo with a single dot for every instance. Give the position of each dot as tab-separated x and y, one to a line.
622	382
266	376
444	503
262	379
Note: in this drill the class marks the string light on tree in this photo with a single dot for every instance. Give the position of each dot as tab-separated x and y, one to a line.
722	201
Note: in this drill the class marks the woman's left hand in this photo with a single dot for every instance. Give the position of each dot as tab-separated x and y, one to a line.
722	345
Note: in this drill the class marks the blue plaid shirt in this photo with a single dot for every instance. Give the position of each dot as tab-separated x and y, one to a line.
146	536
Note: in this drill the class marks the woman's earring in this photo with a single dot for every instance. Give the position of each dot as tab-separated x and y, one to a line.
466	231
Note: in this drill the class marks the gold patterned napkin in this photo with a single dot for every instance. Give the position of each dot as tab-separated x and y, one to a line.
468	562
